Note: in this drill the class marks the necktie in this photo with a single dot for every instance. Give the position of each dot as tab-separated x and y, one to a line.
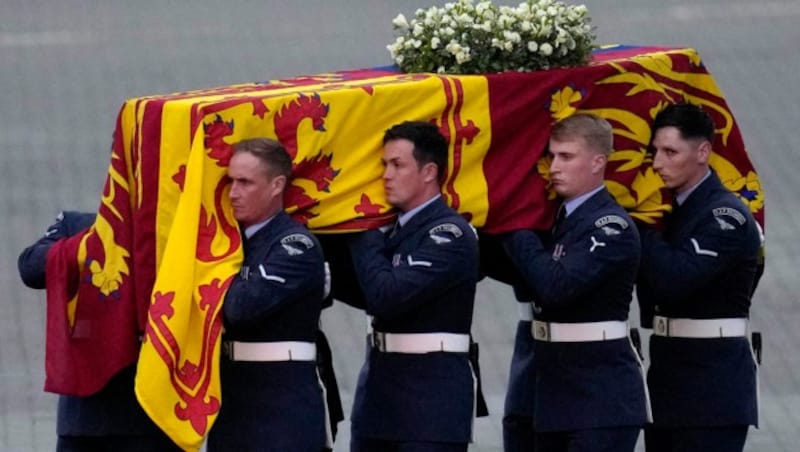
560	216
395	229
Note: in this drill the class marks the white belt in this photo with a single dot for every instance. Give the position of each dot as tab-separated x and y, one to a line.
270	351
525	311
699	328
579	332
420	342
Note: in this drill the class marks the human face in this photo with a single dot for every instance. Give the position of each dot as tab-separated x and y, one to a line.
576	169
254	195
407	185
681	163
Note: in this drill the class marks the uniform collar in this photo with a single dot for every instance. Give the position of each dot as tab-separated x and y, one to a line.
405	217
574	203
253	228
680	198
269	223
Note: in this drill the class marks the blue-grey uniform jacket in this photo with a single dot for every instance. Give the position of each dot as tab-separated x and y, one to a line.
586	274
702	266
114	410
419	280
520	396
273	406
496	264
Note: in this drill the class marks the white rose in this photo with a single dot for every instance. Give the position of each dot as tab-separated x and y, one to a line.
512	36
417	43
571	44
435	43
400	22
508	46
545	49
453	47
533	46
399	59
463	56
418	30
441	70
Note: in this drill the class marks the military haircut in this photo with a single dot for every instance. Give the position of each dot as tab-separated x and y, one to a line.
594	130
692	122
429	144
271	153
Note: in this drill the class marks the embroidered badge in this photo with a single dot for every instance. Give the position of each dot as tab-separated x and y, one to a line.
724	225
420	263
445	233
290	244
610	231
595	244
729	212
700	251
611	219
268	277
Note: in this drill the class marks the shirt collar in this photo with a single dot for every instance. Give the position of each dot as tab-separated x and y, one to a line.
574	203
680	198
405	217
253	228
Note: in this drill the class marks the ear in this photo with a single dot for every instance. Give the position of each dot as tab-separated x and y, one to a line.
599	163
704	152
430	172
278	184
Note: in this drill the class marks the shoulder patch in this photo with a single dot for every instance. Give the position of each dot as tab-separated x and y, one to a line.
724	225
445	233
611	224
296	244
730	212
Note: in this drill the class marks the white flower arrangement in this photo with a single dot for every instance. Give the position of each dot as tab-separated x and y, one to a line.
467	38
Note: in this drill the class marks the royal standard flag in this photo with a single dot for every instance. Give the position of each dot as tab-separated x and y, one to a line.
165	246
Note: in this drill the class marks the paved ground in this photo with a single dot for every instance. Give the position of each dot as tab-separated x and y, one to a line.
66	67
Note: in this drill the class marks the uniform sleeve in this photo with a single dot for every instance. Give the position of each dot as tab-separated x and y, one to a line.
288	274
672	271
33	259
557	278
394	288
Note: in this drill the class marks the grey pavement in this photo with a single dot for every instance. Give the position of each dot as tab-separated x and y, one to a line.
66	67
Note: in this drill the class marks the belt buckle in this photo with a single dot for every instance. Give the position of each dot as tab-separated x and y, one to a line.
379	341
662	326
541	331
227	349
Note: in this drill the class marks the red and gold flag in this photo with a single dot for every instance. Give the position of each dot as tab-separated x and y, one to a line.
165	245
